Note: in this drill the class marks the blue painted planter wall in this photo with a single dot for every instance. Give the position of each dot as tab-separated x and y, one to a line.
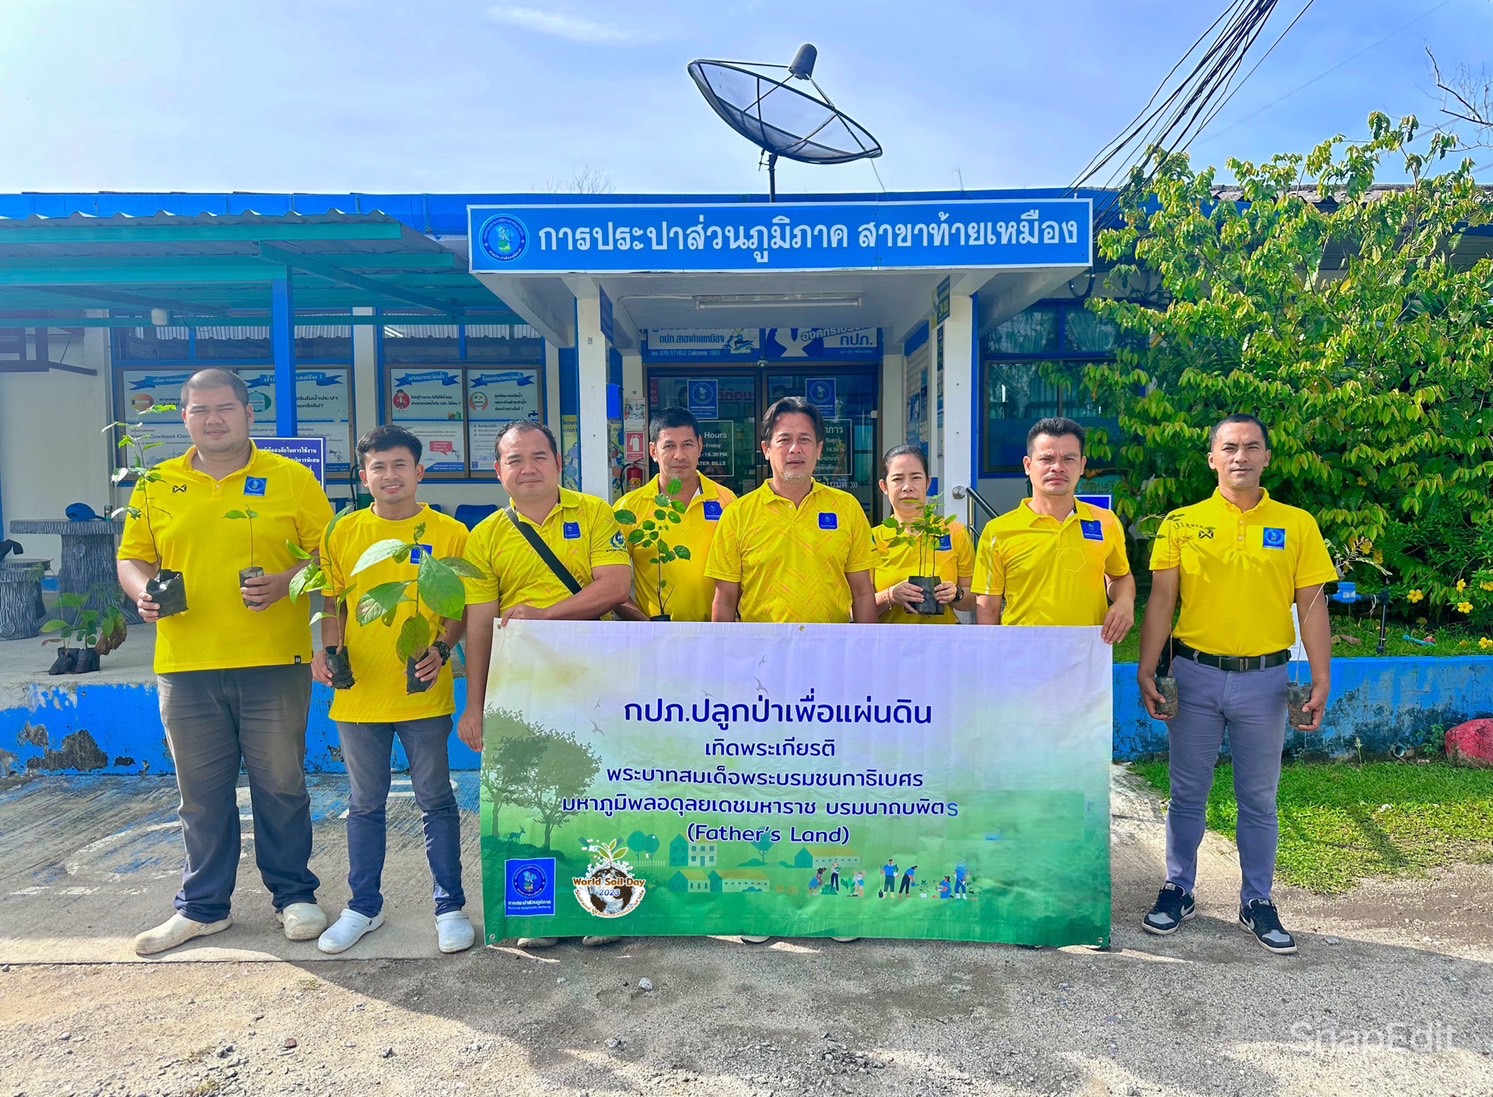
1378	705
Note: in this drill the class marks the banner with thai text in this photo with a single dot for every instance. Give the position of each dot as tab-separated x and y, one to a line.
797	781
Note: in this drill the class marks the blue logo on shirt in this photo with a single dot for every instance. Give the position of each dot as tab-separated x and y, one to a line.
572	531
1092	530
712	510
946	543
530	890
254	485
828	521
1275	538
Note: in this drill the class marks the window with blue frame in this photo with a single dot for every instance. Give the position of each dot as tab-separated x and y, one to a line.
1032	367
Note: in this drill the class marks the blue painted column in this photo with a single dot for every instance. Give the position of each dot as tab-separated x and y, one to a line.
282	342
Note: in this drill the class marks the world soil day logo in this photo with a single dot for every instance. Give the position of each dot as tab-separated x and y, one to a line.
609	889
504	238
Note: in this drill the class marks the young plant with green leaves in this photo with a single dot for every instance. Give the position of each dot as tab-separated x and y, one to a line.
313	579
1350	317
649	534
93	632
437	586
167	587
926	532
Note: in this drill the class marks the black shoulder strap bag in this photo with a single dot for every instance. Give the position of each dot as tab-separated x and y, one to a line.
546	553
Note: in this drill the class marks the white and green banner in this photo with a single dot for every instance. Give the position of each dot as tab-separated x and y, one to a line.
797	781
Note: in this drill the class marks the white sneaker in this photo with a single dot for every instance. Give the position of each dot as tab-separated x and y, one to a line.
454	932
176	930
302	921
347	931
754	940
592	942
537	942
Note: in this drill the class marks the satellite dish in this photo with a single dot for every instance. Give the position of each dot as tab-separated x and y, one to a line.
780	119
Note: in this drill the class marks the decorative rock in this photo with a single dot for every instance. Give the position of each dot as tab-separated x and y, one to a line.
1471	744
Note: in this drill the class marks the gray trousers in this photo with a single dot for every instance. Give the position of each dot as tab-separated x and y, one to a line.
217	721
1251	706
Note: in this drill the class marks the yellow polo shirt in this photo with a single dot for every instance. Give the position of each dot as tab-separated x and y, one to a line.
792	562
955	556
1240	570
380	697
581	530
688	591
184	530
1049	572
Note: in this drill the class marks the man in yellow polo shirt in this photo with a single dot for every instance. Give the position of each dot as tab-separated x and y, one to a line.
379	706
794	550
579	530
233	671
1055	560
686	592
1238	561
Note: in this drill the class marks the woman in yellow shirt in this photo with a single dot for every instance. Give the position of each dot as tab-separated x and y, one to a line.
905	483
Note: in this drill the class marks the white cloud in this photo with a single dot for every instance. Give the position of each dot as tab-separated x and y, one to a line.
577	28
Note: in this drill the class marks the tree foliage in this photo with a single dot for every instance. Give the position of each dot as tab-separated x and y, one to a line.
1341	315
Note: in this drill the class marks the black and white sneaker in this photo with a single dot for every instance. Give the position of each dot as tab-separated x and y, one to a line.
1259	917
1173	907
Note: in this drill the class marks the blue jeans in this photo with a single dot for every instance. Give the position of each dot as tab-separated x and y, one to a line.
215	720
367	750
1252	706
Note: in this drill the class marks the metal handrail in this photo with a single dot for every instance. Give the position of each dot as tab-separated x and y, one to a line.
973	497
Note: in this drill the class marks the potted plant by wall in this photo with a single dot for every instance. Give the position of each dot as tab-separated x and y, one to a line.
927	531
253	571
167	587
313	579
92	633
436	586
649	533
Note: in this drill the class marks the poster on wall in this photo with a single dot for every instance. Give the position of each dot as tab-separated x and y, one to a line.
445	445
495	398
851	792
833	468
718	448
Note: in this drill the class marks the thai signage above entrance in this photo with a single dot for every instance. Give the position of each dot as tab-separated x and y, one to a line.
662	345
783	236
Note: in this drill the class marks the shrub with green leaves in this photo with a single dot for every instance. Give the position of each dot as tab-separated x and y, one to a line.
649	533
1340	313
437	586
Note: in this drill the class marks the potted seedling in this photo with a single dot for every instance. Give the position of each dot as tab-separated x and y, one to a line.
253	571
313	579
928	532
166	588
94	632
649	533
436	587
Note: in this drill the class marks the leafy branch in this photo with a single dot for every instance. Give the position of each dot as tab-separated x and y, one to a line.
649	533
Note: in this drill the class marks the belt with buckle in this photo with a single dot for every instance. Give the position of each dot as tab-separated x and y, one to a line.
1233	663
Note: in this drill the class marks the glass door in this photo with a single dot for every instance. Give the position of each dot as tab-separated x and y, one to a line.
847	400
726	402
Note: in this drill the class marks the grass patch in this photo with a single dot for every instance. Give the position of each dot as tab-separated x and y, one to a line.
1450	640
1341	823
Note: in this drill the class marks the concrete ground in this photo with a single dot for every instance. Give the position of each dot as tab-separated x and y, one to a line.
1392	990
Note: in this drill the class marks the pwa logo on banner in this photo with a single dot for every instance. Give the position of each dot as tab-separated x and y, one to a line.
609	889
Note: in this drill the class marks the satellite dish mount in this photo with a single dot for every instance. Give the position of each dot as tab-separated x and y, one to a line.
779	118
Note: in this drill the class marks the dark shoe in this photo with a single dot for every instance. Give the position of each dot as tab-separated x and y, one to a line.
1259	917
1173	907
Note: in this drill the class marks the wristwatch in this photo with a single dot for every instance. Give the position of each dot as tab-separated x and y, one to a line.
959	593
444	649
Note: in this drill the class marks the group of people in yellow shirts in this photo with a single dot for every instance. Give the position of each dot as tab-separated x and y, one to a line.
234	672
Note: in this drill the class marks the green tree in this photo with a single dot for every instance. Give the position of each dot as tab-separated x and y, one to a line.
562	772
508	770
1341	315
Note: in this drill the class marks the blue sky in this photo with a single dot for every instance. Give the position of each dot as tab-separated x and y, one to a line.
442	95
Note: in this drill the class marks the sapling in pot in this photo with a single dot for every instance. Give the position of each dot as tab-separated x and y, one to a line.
167	588
313	579
93	632
436	587
649	533
927	531
253	571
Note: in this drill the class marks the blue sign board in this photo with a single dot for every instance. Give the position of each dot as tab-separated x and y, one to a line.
704	399
783	236
762	344
1103	502
820	391
823	344
311	452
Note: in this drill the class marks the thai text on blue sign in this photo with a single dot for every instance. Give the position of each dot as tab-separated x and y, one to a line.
311	452
979	233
